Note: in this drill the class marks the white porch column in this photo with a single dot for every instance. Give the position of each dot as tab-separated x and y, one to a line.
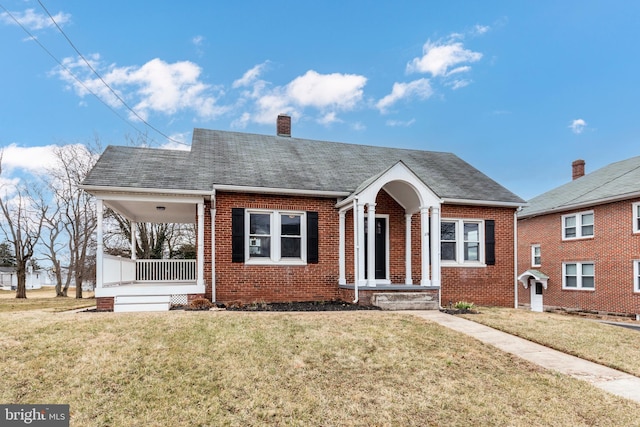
360	245
341	248
134	233
200	256
435	245
408	280
371	244
424	246
99	243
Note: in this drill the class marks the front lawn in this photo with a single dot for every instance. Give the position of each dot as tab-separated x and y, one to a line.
608	345
183	368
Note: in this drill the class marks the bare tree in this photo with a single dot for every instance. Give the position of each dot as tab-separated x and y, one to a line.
52	239
76	213
21	224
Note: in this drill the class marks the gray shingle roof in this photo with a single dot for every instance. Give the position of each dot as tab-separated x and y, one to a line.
616	181
242	159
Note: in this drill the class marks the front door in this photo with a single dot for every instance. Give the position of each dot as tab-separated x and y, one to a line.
536	296
381	248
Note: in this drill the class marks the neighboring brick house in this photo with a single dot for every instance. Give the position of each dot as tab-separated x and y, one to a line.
283	219
579	244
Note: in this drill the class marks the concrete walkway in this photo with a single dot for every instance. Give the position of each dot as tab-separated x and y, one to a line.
610	380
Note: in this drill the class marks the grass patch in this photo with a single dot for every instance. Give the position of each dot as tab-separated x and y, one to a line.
608	345
186	368
43	299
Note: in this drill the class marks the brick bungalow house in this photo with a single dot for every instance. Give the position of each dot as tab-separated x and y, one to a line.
283	219
579	244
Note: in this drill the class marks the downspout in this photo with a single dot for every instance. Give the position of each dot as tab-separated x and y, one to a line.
515	257
213	246
356	246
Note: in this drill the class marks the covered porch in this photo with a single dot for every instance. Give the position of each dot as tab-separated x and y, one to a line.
149	284
372	256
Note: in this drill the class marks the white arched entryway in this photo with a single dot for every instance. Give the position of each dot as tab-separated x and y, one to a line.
414	196
536	281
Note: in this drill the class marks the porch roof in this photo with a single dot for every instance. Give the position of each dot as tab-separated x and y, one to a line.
274	162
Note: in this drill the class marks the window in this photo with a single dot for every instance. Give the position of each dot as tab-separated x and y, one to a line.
578	225
578	275
461	242
275	237
536	260
636	217
636	276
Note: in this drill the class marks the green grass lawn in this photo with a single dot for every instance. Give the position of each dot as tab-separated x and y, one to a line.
183	368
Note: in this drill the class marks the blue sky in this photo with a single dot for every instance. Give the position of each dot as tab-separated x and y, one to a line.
517	89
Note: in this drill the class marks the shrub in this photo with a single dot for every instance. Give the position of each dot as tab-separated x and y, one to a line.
463	305
200	304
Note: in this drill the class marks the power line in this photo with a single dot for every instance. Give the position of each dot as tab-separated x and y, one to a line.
64	67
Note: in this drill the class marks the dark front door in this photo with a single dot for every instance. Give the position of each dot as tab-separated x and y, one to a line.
381	248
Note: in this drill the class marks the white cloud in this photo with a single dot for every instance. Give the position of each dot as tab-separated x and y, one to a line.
155	87
400	123
35	21
441	58
479	30
420	89
324	94
578	126
34	160
178	141
197	40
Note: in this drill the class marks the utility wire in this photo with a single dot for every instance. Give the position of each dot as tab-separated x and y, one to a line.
64	67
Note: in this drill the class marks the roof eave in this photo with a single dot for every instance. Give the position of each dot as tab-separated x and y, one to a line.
99	189
581	205
281	191
472	202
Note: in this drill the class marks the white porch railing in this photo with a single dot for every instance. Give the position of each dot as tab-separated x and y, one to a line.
166	270
117	270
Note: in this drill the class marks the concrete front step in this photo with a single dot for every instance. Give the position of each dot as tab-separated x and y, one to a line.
405	301
134	303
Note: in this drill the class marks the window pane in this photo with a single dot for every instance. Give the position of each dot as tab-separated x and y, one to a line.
588	282
260	224
471	232
448	231
571	269
587	219
570	221
260	246
448	251
570	232
290	247
471	252
587	269
571	282
587	230
290	225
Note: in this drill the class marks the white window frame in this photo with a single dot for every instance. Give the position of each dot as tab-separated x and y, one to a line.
579	276
578	226
636	276
459	228
533	255
636	217
275	257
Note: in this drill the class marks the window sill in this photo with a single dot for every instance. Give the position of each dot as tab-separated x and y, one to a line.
465	264
579	289
571	239
282	262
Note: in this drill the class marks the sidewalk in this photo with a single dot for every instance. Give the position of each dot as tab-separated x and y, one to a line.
610	380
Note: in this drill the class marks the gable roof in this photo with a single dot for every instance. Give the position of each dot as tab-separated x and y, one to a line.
235	159
617	181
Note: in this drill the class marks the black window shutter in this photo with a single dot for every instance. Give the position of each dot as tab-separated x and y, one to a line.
237	235
490	242
312	237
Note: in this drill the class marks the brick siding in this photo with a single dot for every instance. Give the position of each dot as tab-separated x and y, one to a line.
612	249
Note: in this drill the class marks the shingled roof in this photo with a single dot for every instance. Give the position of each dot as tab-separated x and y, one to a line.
273	162
617	181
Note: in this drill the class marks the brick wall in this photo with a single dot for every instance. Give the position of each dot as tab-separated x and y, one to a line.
612	249
490	285
104	303
239	282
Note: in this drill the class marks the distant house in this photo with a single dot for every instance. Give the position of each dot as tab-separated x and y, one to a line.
579	244
35	279
284	219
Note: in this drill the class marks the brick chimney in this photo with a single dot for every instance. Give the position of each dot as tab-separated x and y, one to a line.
284	125
577	169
